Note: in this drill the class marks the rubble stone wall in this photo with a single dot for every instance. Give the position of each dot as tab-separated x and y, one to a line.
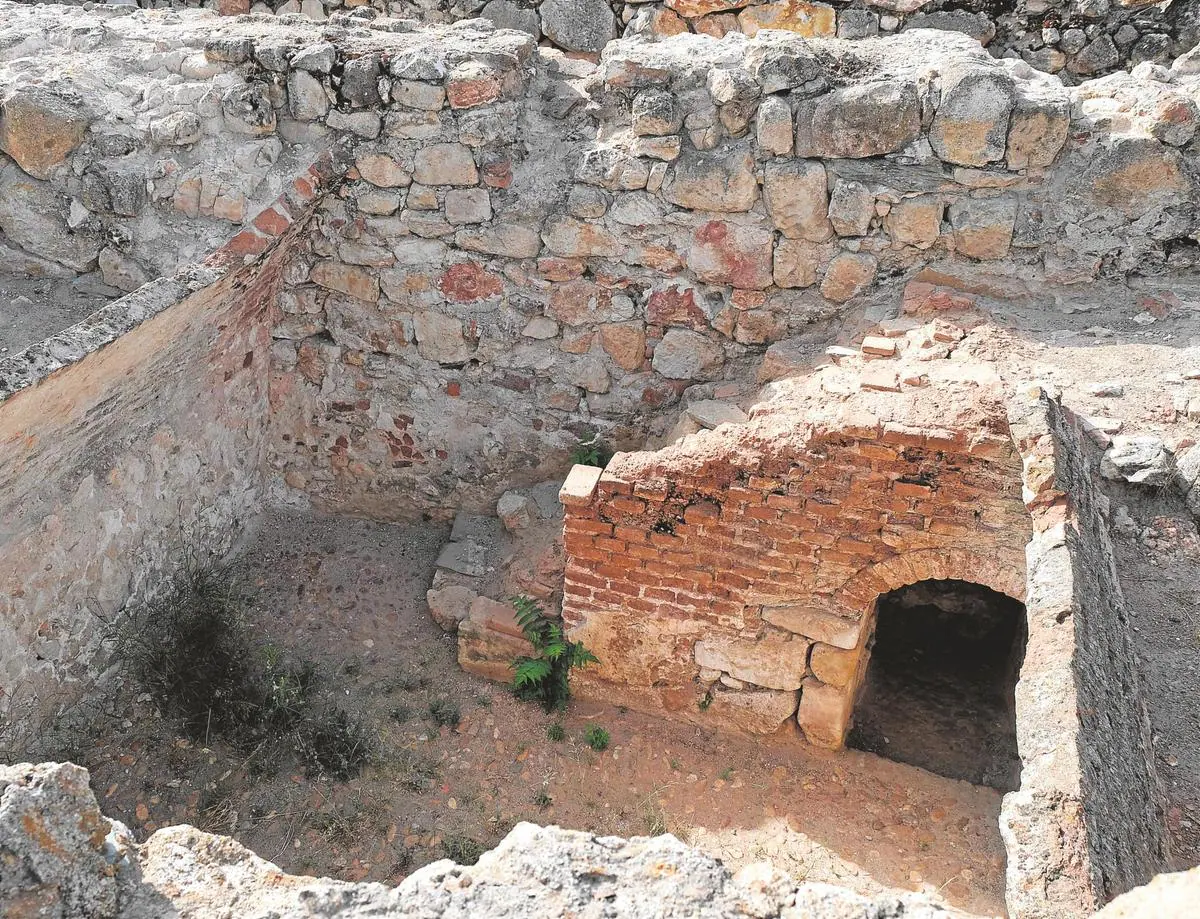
128	445
534	250
732	578
1087	780
1079	39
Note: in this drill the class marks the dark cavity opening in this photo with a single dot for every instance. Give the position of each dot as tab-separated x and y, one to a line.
939	687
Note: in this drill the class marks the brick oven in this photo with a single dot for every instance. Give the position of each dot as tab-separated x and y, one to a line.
732	578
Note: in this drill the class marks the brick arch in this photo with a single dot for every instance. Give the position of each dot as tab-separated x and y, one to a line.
1002	570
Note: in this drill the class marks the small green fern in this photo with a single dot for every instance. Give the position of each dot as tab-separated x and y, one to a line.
544	677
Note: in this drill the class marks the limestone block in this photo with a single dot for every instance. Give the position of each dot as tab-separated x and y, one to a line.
579	485
1136	175
318	58
348	279
812	20
797	199
450	605
489	639
761	711
983	227
656	112
625	343
738	255
307	96
824	714
516	511
848	275
971	124
692	9
507	239
851	208
440	337
861	121
774	130
508	15
468	205
687	355
120	271
712	182
578	25
33	216
445	164
834	666
916	221
414	94
40	125
1138	459
383	171
815	624
176	130
798	263
770	663
712	413
1038	127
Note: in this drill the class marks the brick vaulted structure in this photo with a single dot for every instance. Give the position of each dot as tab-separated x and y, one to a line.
756	552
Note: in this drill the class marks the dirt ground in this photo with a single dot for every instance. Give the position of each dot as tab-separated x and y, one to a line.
32	309
350	596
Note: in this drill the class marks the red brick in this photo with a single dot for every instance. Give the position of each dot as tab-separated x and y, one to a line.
583	525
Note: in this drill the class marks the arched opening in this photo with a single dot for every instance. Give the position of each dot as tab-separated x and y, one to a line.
938	691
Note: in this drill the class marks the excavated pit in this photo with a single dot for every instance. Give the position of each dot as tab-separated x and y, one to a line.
939	686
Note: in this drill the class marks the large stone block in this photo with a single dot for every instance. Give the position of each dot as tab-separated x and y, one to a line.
983	227
40	125
347	279
834	666
812	20
824	714
445	164
816	624
1135	176
34	216
489	639
971	124
450	605
707	182
686	355
916	221
770	663
1038	127
578	25
762	711
440	337
860	121
848	275
738	255
797	198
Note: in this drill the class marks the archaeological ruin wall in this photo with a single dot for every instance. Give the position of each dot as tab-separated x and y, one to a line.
1088	779
525	256
438	259
130	446
1078	39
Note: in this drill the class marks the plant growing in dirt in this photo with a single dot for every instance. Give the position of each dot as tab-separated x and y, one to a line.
444	713
591	451
597	738
463	849
544	677
186	647
191	649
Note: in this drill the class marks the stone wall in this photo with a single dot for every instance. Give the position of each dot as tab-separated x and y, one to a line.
1078	39
731	579
1088	779
128	444
534	248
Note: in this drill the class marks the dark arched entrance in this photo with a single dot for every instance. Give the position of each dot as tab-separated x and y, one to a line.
938	691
